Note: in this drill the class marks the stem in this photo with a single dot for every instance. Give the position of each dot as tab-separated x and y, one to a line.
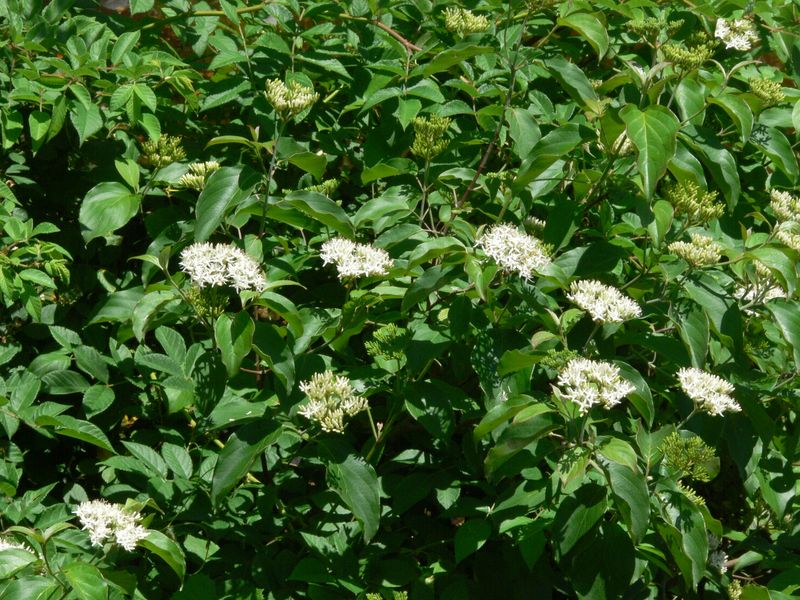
372	426
591	335
686	420
273	163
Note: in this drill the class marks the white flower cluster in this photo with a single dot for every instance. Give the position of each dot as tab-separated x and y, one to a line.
716	557
7	544
514	250
292	99
785	206
709	392
606	304
222	264
105	521
763	289
737	34
789	236
590	382
702	250
355	260
330	400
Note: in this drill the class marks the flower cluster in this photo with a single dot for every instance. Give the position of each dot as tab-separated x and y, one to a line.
688	456
709	392
590	382
355	260
789	236
290	99
764	288
515	251
388	342
688	58
785	205
326	188
222	264
330	400
606	304
164	151
105	521
462	21
717	559
8	544
698	205
198	174
701	251
650	28
429	140
737	34
771	92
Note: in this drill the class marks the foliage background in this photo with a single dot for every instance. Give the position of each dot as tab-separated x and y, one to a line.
113	387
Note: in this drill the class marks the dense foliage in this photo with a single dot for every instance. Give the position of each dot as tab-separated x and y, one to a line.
389	299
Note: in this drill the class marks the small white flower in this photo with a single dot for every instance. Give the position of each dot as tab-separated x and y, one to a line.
291	99
105	521
701	251
606	304
330	400
709	392
789	236
737	34
515	251
590	382
717	560
9	544
785	206
222	264
355	260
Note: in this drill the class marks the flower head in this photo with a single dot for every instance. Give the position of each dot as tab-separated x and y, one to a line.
462	21
198	174
789	236
701	251
697	204
737	34
429	140
709	392
330	400
355	260
164	151
515	251
105	521
606	304
786	206
590	382
290	99
222	264
771	92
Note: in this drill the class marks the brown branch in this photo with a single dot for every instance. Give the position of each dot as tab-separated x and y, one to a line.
409	46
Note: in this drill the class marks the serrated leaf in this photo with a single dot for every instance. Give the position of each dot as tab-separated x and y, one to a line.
177	459
78	429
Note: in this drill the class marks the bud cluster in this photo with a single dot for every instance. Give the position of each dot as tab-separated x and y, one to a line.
701	251
429	141
771	92
290	99
698	205
164	151
198	174
462	21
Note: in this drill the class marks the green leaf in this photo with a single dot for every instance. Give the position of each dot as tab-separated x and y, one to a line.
86	119
641	397
787	314
574	81
234	338
167	549
427	283
13	560
551	148
590	27
739	112
148	457
523	130
177	459
239	452
124	44
528	426
224	190
145	309
470	537
310	162
39	124
653	133
322	209
716	159
223	92
632	498
577	514
64	381
450	57
29	588
687	540
618	451
106	207
129	171
37	277
388	168
77	429
140	6
779	149
357	485
97	399
407	109
86	580
695	334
